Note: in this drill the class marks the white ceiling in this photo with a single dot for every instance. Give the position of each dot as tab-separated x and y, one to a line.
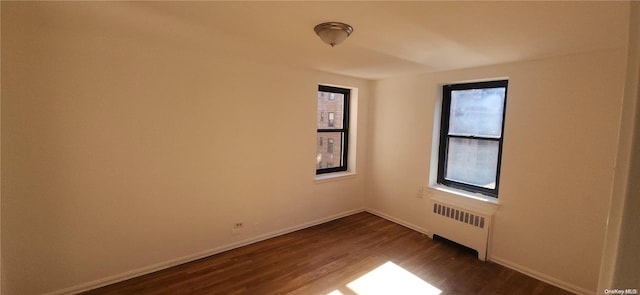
389	38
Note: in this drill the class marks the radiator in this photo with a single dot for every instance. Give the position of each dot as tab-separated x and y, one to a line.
463	226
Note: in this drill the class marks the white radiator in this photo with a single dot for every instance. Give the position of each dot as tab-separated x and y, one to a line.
463	226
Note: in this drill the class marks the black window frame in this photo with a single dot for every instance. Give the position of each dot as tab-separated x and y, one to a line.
444	136
344	148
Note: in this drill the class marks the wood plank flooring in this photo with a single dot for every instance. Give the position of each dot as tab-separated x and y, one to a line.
325	258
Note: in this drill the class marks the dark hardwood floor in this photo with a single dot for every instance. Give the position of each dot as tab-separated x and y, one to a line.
326	258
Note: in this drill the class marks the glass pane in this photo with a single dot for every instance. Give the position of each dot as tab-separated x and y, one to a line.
330	110
472	161
477	112
329	150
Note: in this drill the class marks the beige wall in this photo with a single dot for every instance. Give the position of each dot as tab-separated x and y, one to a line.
622	241
626	273
559	152
124	150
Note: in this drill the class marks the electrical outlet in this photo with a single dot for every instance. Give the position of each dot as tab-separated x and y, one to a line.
420	194
237	228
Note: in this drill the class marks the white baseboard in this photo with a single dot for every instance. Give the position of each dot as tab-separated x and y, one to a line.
540	276
399	221
185	259
508	264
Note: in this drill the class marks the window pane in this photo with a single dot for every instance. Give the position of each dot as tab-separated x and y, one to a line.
333	107
472	161
329	154
477	112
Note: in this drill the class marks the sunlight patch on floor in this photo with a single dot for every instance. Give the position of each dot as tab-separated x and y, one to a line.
389	278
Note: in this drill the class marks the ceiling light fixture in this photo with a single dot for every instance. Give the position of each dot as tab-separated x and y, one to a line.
333	33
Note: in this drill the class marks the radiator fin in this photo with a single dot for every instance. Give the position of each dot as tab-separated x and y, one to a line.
459	215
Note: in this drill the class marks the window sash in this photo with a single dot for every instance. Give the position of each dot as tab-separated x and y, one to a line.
445	138
344	131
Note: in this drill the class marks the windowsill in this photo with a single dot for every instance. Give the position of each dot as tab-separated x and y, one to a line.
334	176
464	198
463	193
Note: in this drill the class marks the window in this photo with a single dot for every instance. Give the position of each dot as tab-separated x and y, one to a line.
335	102
471	134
